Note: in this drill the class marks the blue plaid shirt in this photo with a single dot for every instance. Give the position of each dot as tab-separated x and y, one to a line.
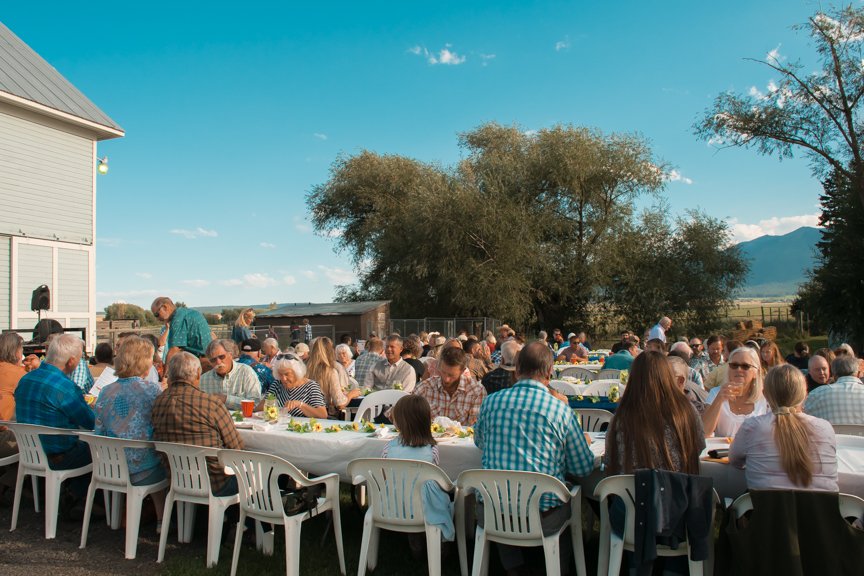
46	396
526	428
265	374
82	376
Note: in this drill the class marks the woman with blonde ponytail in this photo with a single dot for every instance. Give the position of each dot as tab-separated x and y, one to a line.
786	449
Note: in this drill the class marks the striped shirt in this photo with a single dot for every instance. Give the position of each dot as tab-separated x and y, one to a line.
307	393
526	428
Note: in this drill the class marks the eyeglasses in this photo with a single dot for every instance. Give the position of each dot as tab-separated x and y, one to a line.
695	344
737	366
218	358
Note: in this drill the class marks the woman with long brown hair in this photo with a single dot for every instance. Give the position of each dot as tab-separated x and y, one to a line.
786	449
323	368
770	355
655	426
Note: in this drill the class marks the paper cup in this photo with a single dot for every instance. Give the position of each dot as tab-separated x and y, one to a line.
248	406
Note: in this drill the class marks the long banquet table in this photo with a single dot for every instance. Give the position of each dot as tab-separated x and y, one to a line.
321	453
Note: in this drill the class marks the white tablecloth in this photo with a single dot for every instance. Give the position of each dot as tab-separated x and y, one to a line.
321	452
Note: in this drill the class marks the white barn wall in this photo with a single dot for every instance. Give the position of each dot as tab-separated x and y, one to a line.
5	281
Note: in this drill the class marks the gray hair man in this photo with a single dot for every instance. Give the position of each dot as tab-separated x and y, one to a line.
658	331
232	382
843	401
391	372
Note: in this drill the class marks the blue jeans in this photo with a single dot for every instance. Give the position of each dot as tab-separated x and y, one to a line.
75	457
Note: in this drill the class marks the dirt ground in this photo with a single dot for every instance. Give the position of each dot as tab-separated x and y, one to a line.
26	552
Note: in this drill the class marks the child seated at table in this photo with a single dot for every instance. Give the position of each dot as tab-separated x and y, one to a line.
412	416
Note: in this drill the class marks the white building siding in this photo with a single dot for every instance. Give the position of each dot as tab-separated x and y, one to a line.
73	277
46	182
5	281
35	266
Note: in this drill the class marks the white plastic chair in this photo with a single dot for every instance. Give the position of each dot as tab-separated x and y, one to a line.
851	506
612	546
33	462
260	499
849	429
579	372
511	511
609	374
565	387
592	419
601	388
377	402
111	474
190	485
395	492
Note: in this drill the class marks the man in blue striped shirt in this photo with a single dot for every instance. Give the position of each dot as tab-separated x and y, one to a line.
526	427
46	396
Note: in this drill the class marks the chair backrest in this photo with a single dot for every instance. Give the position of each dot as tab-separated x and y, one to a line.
609	374
511	500
601	388
110	466
376	402
30	452
565	387
849	429
578	372
592	419
395	487
257	482
189	475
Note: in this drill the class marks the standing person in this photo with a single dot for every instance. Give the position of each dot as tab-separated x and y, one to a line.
124	410
323	368
737	399
307	331
525	427
46	396
242	326
187	329
186	415
786	449
658	331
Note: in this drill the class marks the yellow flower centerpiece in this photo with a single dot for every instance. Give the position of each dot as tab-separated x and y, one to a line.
271	413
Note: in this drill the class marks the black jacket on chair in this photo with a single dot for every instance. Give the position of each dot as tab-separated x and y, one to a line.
793	533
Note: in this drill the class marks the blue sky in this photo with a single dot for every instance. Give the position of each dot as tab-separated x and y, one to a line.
233	111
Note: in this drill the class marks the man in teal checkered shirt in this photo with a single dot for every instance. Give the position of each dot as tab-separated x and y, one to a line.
187	328
525	427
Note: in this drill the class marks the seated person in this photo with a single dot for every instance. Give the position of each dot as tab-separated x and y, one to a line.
575	349
786	449
295	392
232	382
453	393
186	415
739	398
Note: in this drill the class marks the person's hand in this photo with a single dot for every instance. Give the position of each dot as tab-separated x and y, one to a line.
292	405
31	362
559	396
353	393
729	390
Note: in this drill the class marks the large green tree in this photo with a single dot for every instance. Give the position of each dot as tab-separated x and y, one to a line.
124	311
834	295
817	112
518	230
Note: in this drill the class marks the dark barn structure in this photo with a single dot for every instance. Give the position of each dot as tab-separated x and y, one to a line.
359	319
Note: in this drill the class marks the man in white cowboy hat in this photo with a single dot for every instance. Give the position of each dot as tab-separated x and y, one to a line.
505	374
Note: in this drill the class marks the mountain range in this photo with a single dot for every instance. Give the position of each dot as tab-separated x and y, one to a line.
778	264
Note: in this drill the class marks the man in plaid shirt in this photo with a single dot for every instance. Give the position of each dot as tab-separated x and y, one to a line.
525	427
453	393
185	414
843	401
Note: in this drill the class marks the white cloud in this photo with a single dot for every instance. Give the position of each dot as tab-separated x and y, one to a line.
339	276
144	275
196	233
676	176
196	283
289	280
562	45
231	282
486	58
444	56
774	56
267	245
741	232
252	280
309	274
320	136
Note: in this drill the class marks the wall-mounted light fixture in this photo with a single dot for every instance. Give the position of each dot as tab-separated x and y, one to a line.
102	165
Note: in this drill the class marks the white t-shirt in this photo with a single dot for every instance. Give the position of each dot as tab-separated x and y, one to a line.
108	376
728	422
